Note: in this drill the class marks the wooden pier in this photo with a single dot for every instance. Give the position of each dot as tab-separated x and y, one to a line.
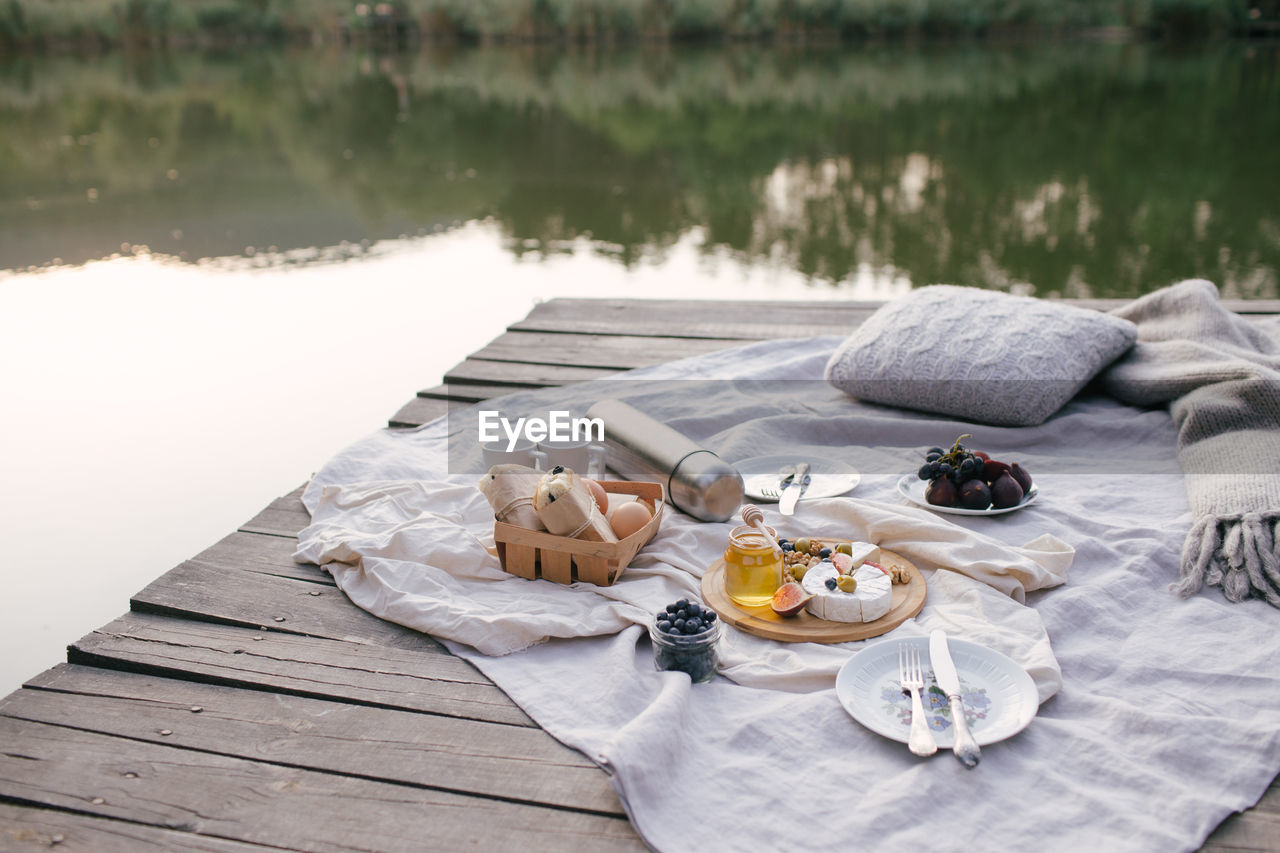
243	702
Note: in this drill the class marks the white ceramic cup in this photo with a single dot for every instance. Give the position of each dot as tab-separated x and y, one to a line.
523	452
586	459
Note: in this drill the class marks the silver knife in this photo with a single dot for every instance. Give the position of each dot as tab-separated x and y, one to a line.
966	748
791	494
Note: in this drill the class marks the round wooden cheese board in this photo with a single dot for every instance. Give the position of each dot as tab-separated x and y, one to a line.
804	627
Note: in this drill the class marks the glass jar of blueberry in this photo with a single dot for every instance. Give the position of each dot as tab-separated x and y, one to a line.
684	636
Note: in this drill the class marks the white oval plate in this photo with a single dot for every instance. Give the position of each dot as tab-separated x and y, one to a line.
911	487
827	477
999	697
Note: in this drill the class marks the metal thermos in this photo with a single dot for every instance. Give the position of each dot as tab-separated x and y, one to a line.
697	481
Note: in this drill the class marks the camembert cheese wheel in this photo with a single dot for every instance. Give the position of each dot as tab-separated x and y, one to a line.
871	600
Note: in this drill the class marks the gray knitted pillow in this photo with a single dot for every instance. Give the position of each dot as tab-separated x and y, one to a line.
979	355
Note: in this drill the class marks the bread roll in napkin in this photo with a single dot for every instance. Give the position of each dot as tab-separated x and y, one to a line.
510	490
565	505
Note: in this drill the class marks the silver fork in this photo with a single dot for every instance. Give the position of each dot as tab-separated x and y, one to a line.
911	676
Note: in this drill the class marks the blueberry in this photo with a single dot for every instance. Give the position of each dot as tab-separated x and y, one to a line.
831	584
824	553
787	547
784	541
664	626
693	626
559	469
708	616
695	610
682	604
661	615
679	624
671	608
682	613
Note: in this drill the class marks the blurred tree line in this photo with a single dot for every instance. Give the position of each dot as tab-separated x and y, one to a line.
51	23
1102	170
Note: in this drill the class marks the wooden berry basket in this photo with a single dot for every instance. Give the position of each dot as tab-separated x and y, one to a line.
537	554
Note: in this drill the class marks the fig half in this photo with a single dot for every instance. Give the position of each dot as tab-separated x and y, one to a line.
789	599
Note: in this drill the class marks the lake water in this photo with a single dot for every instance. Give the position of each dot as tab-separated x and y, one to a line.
216	270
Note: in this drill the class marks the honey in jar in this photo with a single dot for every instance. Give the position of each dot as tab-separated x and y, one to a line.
752	567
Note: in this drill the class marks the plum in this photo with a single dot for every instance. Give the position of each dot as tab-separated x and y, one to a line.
1005	492
974	494
992	469
1020	474
941	492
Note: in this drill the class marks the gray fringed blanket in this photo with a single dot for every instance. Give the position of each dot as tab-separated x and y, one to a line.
1220	375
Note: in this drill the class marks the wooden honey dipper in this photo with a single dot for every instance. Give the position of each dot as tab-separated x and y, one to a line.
752	515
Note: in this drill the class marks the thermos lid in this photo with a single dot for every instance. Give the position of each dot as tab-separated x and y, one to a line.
705	486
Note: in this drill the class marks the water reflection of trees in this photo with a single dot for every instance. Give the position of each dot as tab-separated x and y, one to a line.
1084	170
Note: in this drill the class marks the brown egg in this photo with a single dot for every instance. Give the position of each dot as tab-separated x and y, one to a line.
597	492
629	517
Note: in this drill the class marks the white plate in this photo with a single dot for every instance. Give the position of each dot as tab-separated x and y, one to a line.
827	477
999	697
912	488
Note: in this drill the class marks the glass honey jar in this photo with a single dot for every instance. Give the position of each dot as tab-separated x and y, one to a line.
752	566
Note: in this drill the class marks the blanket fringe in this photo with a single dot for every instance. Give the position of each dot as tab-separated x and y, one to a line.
1237	553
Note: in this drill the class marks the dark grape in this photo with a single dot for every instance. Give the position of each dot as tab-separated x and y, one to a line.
925	472
935	450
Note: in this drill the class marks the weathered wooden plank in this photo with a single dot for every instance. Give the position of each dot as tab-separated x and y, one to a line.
425	679
284	516
468	393
713	319
265	803
478	371
1256	830
599	351
23	828
1253	831
518	763
213	592
417	412
264	554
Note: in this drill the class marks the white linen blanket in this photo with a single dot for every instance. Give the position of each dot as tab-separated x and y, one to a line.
1159	716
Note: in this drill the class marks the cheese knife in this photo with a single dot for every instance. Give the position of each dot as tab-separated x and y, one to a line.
791	494
966	748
